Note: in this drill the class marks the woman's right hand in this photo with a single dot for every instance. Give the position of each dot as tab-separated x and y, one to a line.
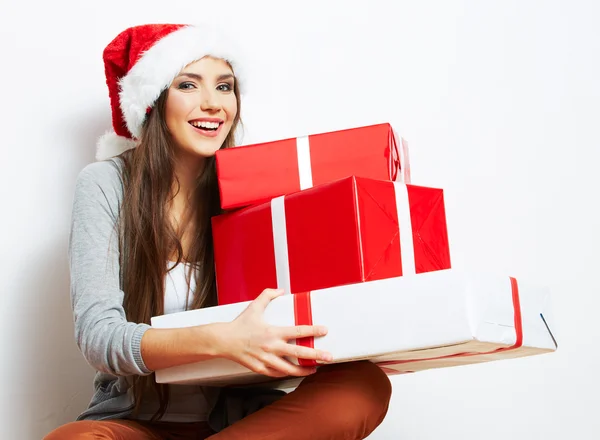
260	347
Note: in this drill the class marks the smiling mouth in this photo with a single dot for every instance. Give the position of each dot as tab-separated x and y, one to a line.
206	126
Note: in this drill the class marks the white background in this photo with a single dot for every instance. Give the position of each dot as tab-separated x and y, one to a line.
499	100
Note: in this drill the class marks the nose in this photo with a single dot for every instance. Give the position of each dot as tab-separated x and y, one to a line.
210	102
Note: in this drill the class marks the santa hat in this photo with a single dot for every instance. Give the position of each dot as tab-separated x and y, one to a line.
141	62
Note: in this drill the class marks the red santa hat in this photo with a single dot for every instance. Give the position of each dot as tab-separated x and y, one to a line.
141	62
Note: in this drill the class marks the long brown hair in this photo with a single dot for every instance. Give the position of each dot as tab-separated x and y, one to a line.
147	239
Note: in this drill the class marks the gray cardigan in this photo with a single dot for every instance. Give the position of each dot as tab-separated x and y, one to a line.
109	343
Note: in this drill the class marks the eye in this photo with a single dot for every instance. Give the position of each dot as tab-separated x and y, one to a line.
225	87
186	85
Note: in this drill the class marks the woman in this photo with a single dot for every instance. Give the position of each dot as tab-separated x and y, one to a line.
141	246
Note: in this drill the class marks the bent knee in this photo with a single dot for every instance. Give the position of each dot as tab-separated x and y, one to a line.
369	386
365	379
365	394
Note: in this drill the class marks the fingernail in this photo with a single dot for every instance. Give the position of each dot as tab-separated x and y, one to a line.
322	330
327	357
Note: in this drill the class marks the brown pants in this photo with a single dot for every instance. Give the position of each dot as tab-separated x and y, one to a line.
343	401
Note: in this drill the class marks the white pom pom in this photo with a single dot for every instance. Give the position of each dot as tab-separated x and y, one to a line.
111	144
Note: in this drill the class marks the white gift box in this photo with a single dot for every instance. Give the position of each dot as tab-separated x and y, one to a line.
406	324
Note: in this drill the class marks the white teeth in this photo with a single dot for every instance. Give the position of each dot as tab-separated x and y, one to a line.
204	124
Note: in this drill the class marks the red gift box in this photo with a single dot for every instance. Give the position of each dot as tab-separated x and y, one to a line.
348	231
257	173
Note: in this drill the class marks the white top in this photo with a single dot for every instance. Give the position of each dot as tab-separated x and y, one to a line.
187	403
176	289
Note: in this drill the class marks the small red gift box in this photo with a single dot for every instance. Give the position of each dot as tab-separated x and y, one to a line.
348	231
257	173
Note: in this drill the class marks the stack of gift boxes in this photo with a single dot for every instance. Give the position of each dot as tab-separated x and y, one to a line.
333	220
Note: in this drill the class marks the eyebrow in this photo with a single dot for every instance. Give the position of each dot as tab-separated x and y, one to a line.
199	77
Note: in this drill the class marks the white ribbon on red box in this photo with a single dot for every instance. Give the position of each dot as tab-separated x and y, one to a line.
282	267
399	149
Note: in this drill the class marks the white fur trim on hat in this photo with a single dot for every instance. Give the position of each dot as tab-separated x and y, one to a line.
111	144
160	64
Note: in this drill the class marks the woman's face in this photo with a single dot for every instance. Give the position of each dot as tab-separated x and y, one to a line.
201	107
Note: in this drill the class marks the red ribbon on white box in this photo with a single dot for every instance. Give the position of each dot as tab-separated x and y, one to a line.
303	316
518	323
282	267
398	163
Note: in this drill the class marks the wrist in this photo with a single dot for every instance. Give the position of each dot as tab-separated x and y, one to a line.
217	339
